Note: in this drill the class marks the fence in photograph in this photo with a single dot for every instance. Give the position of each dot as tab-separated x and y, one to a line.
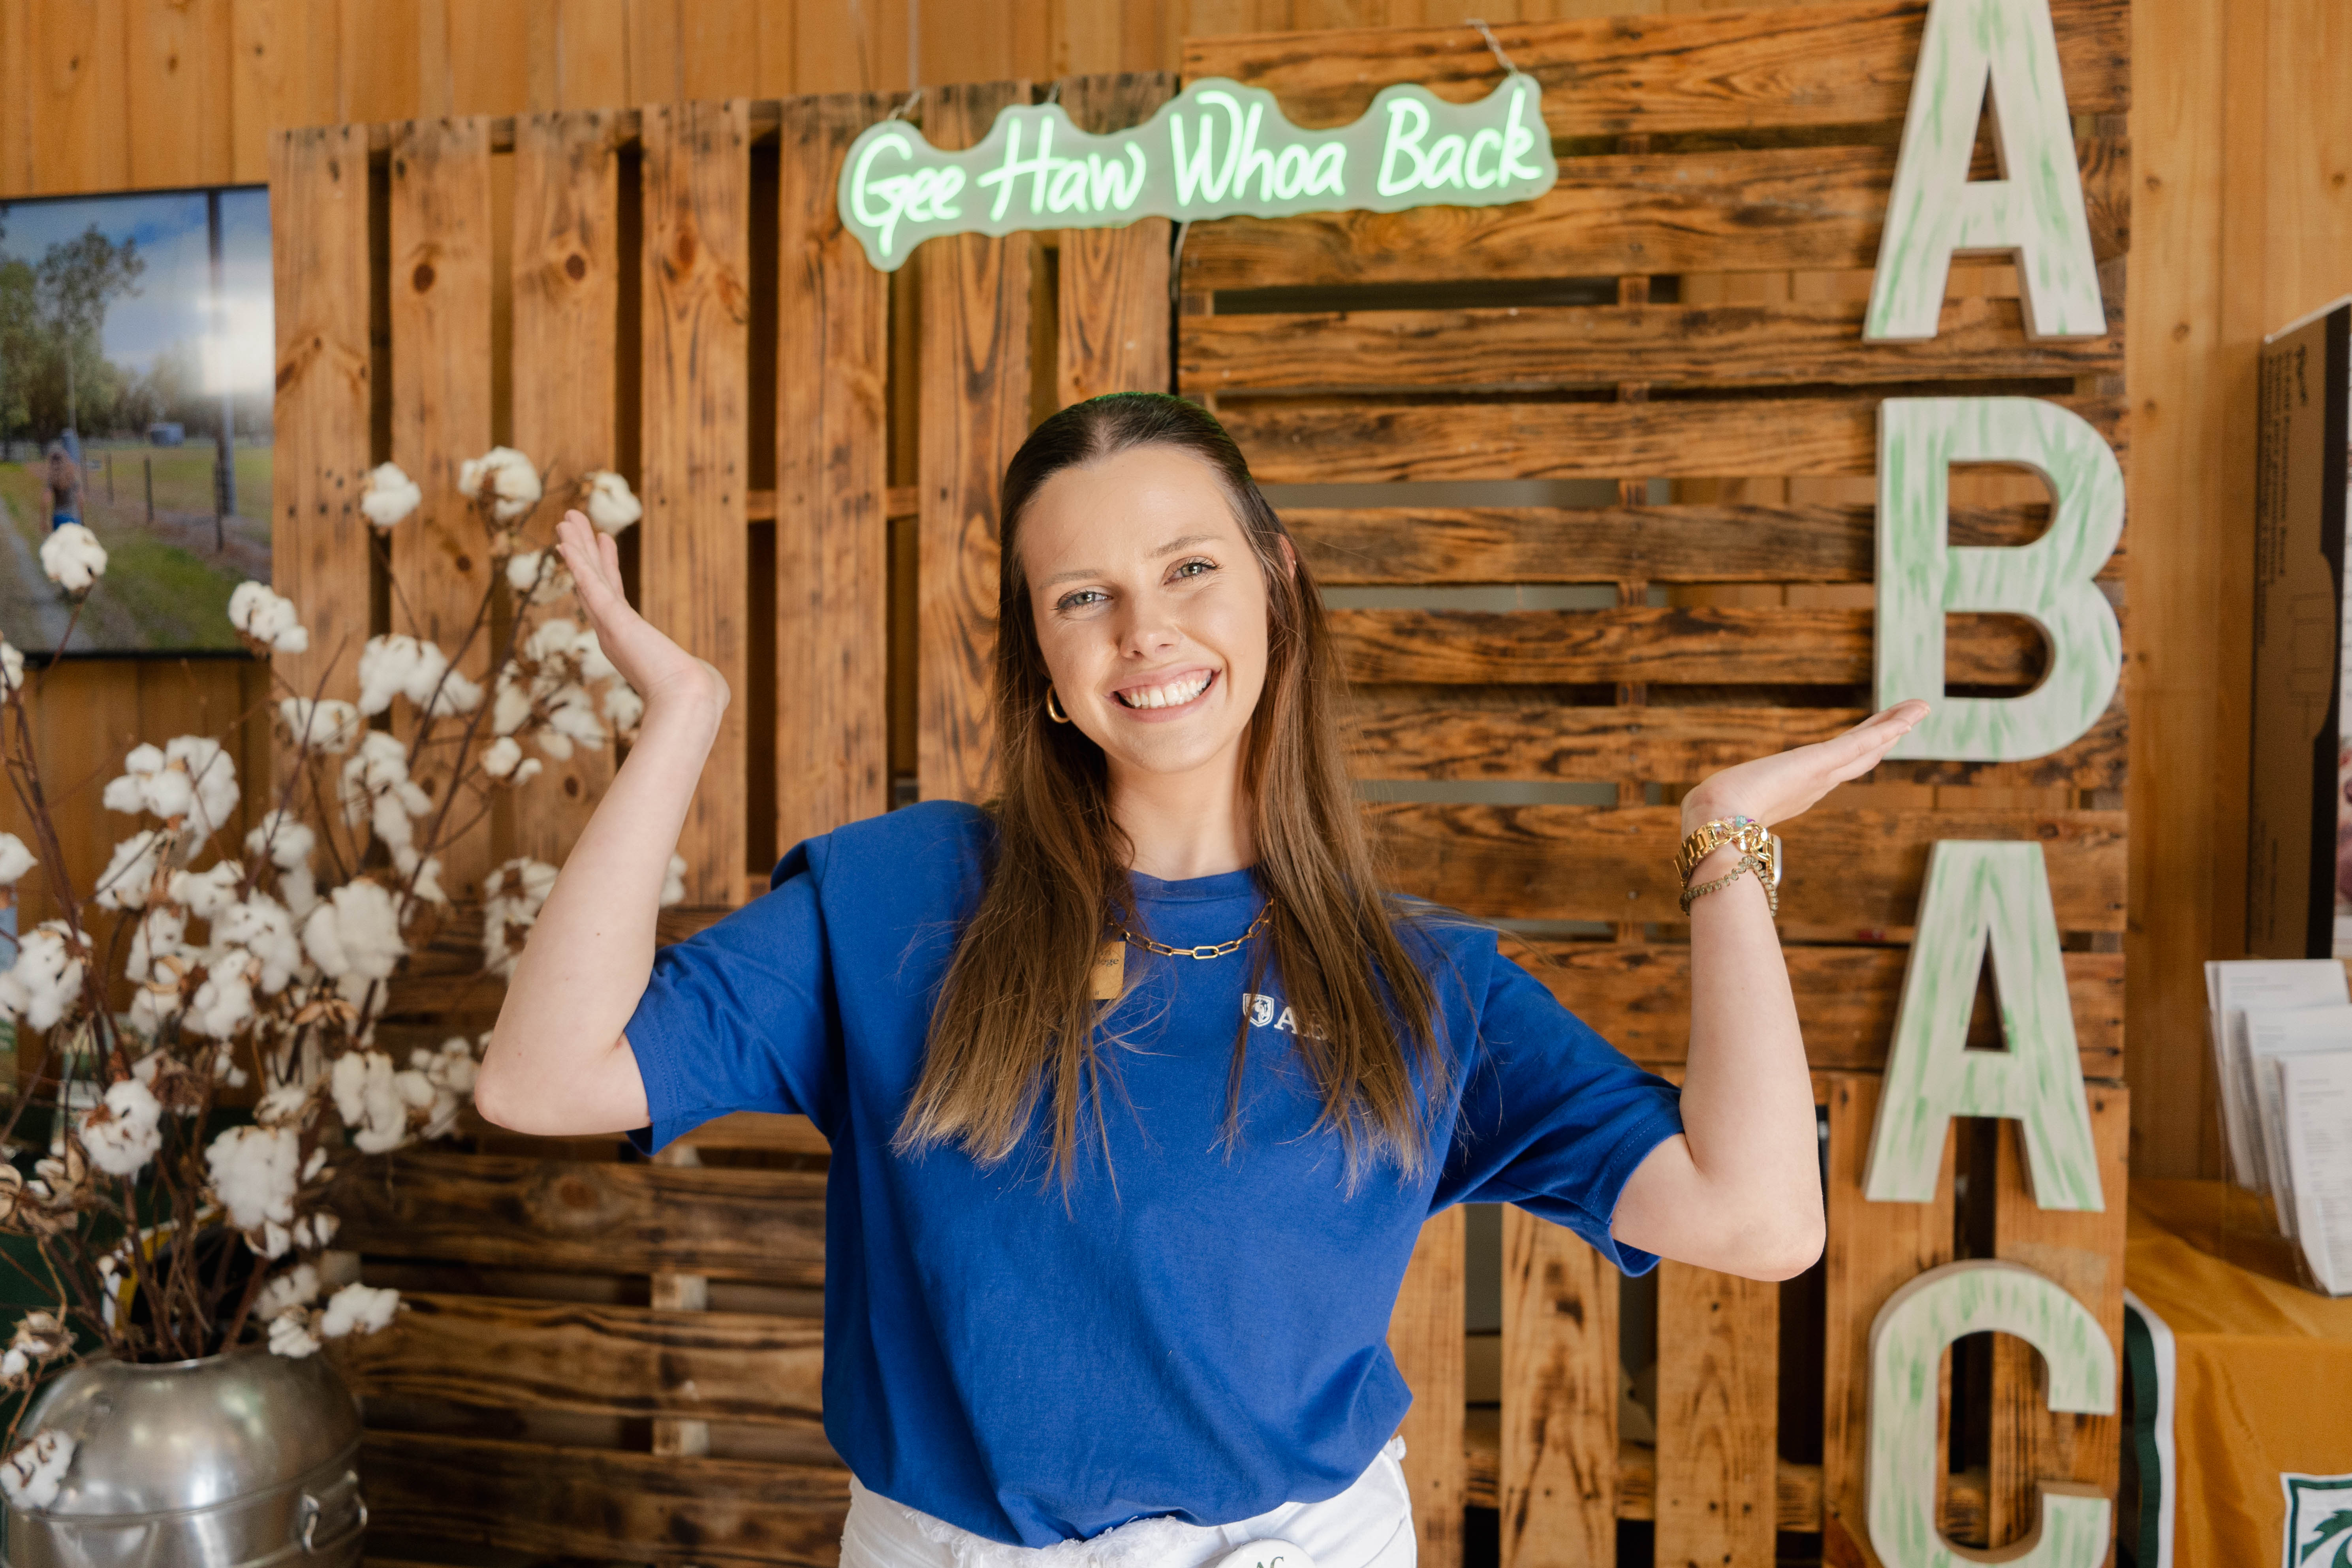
1648	403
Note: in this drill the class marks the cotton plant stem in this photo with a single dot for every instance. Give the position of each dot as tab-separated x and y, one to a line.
591	950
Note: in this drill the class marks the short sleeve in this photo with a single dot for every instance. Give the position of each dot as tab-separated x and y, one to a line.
740	1016
1553	1118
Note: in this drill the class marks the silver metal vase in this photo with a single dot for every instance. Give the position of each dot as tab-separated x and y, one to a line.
232	1461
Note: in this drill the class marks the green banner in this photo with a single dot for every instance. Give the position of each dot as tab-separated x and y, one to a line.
1216	150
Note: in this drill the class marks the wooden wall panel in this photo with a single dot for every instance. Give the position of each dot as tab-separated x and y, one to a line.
832	478
320	544
441	330
695	356
179	83
72	80
1425	1337
1559	1483
1718	1426
566	325
1113	294
976	390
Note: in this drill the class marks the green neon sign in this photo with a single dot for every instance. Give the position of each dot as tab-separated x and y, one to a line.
1216	150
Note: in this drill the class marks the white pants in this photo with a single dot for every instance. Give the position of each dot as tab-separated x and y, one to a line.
1370	1525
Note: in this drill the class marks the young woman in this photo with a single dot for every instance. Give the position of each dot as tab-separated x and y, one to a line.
1139	1086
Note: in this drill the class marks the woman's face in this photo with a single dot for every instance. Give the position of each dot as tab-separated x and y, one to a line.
1149	608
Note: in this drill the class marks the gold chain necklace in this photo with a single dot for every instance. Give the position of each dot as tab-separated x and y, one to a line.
1218	951
1110	963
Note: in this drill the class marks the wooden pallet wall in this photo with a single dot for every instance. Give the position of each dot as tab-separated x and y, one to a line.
1597	334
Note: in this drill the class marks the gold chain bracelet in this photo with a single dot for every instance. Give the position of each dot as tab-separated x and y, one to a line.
1747	863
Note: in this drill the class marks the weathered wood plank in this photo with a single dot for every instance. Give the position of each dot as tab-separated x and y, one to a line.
832	474
1872	1249
1541	349
1845	64
1425	1337
514	1213
600	1360
1682	541
694	552
1311	443
1502	732
1113	300
975	371
1854	869
1768	210
1558	1486
321	543
566	291
1718	1415
441	286
2083	1252
1638	996
1704	645
584	1503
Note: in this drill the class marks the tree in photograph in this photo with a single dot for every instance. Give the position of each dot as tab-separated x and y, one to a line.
76	281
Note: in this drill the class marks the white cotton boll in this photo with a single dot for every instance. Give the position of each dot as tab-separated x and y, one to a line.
354	935
264	928
276	1239
623	706
455	693
510	708
14	1364
130	874
46	977
121	1131
527	770
594	665
673	882
254	1174
391	664
427	885
368	1098
358	1309
324	1225
208	892
413	1087
453	1066
267	617
499	757
300	890
571	716
288	1292
223	1002
290	1336
543	567
284	1106
329	723
14	860
162	932
376	784
287	838
129	793
389	495
73	557
554	638
512	483
11	666
30	1477
213	772
608	502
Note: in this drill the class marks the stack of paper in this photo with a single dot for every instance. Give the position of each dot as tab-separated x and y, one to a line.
2283	1051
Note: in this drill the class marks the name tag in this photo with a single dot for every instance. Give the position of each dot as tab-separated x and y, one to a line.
1110	982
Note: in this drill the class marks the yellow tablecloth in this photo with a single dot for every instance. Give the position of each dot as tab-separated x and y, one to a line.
2241	1381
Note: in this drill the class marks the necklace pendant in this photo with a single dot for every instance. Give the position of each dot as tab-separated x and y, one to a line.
1110	970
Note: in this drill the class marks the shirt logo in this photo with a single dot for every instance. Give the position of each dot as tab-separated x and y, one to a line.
1263	1010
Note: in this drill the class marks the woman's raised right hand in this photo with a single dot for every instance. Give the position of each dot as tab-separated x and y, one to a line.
663	673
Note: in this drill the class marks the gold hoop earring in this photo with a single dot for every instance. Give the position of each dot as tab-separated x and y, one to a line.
1052	712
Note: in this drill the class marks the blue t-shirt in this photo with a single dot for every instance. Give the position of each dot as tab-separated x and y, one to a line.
1209	1341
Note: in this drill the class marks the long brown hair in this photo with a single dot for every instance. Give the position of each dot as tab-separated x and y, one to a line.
1016	1017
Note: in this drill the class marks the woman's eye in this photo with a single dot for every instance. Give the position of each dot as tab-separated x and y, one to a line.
1194	568
1083	598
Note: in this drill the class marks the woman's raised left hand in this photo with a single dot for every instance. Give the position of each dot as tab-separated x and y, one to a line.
1775	788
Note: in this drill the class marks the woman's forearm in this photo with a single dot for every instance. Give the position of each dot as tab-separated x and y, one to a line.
556	1063
1747	1097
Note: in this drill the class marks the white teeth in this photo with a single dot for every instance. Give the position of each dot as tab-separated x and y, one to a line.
1172	695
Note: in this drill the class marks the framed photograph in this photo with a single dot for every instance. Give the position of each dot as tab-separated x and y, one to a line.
136	349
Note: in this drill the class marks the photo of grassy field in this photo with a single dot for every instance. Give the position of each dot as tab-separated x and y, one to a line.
167	581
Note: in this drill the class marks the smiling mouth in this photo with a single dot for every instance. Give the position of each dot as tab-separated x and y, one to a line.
1173	694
